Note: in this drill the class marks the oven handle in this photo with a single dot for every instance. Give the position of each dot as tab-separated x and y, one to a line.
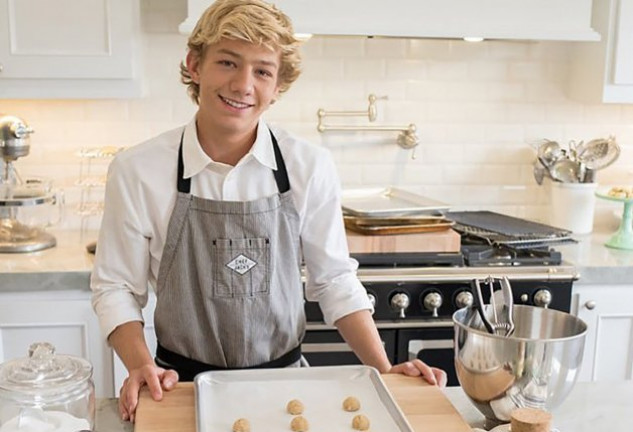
325	347
386	325
415	345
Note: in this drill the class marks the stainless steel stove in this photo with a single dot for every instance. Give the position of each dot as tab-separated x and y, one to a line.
415	296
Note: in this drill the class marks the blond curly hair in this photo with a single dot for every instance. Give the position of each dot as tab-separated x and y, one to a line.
253	21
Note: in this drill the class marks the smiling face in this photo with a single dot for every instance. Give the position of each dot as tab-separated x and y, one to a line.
238	82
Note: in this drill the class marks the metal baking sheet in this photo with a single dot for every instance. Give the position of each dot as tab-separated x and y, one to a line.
390	226
390	201
261	396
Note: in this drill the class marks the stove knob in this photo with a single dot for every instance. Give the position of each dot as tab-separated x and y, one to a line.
400	302
372	300
432	302
543	298
464	299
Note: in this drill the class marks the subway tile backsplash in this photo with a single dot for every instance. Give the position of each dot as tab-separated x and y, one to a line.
476	108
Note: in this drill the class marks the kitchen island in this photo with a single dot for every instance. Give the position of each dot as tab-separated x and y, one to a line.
590	407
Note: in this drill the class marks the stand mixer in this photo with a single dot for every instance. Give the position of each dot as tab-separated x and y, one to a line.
16	195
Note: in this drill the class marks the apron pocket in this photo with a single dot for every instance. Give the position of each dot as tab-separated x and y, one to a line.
242	267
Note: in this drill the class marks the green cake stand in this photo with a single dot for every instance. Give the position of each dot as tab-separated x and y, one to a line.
623	237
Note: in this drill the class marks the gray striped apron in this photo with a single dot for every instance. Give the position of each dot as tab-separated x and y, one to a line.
229	293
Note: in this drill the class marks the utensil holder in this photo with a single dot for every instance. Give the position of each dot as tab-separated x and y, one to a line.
573	206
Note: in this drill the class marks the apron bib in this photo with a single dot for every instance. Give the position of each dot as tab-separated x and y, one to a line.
229	293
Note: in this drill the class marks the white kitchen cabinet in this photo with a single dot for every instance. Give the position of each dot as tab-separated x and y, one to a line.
498	19
603	72
65	319
608	313
69	48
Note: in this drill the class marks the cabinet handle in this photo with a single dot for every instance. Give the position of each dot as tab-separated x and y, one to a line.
590	304
1	67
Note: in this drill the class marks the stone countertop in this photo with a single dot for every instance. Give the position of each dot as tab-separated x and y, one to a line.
68	265
596	263
589	407
107	417
65	266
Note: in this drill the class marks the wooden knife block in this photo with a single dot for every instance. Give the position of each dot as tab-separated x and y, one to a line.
440	241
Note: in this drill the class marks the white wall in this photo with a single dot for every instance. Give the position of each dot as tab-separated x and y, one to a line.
476	106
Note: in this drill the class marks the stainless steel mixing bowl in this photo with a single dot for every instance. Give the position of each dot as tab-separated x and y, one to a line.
535	367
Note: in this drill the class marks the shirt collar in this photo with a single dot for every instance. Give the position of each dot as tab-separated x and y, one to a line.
196	160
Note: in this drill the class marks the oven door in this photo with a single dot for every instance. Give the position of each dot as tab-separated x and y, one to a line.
327	348
434	346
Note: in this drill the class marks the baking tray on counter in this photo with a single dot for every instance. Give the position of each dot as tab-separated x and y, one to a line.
261	396
397	225
389	201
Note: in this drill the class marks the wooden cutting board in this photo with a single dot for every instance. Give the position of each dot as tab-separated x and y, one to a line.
440	241
425	406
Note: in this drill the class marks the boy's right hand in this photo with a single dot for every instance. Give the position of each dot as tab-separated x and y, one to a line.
156	378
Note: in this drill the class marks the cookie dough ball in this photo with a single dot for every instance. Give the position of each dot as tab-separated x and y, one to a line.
351	404
241	425
299	424
360	422
294	407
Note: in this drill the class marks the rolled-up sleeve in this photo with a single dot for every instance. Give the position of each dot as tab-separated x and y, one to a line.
330	273
119	280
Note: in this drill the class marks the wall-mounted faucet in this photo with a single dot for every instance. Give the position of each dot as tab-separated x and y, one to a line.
407	138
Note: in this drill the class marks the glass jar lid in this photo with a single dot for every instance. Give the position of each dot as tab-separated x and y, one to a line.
44	374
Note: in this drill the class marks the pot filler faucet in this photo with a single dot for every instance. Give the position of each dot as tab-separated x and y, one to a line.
407	138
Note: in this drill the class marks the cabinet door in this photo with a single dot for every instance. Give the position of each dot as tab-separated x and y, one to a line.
603	71
609	345
70	325
623	61
66	38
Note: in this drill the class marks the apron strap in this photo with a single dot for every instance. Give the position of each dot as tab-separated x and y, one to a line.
188	368
281	174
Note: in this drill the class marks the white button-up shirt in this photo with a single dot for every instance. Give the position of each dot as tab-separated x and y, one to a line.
141	194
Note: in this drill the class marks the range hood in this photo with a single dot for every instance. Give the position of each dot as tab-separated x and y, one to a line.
564	20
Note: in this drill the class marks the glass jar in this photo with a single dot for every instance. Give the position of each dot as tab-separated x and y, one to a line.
25	211
46	392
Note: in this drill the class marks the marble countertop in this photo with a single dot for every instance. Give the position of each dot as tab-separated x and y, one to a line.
65	266
589	407
69	264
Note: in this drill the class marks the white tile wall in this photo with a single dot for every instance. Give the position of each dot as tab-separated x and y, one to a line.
476	107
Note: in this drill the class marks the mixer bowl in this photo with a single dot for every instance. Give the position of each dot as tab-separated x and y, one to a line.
536	367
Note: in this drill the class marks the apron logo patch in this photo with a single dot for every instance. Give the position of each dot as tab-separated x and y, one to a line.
241	264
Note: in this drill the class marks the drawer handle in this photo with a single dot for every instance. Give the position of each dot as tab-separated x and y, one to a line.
590	304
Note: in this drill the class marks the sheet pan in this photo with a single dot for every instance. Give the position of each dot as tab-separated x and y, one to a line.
390	201
261	396
390	226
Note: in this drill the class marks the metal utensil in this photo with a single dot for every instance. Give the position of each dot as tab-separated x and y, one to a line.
501	305
599	153
539	172
566	171
549	152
